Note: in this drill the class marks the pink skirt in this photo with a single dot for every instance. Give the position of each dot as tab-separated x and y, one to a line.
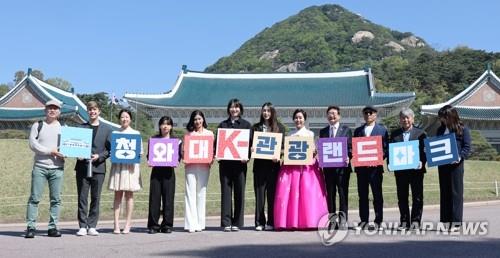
300	199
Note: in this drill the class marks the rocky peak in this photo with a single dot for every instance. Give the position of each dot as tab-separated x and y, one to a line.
360	35
413	41
269	55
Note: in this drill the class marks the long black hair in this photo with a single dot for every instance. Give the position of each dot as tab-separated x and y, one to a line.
190	124
452	120
273	120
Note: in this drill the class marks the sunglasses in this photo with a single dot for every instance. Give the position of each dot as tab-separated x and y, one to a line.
368	113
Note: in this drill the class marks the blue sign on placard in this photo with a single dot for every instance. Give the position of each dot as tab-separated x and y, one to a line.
441	150
404	155
266	145
76	142
298	150
125	148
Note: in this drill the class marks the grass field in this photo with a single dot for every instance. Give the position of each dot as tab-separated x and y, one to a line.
16	160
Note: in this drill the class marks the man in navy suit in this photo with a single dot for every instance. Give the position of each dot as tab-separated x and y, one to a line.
371	176
337	178
413	178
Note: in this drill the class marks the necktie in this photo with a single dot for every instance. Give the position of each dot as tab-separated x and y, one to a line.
331	131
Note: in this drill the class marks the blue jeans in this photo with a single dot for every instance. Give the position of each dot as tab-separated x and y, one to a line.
39	175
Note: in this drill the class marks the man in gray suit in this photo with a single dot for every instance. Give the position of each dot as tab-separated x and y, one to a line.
101	134
337	178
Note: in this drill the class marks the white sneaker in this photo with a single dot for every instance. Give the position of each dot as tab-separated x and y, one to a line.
259	228
93	232
235	228
82	232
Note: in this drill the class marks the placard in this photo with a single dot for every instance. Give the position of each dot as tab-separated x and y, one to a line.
233	144
441	150
76	142
332	152
404	155
299	150
198	149
266	145
125	148
163	152
367	151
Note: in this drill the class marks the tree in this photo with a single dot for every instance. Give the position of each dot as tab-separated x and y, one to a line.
18	76
4	88
60	83
37	74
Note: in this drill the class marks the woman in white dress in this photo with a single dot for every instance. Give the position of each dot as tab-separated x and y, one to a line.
125	179
196	179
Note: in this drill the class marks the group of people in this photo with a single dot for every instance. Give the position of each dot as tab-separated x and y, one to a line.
297	196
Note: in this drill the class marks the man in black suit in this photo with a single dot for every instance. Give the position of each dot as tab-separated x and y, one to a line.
337	178
101	134
371	176
413	178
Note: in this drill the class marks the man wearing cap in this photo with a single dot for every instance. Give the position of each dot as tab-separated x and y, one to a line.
101	133
48	167
371	176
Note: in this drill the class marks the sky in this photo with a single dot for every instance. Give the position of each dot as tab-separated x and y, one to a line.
140	46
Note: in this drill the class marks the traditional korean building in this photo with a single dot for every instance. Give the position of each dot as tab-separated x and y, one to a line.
25	104
313	92
478	106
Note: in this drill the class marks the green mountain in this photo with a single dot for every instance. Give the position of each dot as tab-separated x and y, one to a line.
330	38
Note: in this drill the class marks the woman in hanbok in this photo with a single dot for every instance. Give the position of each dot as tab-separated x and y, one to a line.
300	190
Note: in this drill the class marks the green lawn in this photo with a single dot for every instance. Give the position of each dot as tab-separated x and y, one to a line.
17	160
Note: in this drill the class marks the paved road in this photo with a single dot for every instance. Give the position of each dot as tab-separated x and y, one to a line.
250	243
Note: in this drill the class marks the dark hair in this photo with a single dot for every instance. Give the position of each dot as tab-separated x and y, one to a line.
190	124
299	110
125	111
273	120
452	119
169	121
237	103
93	104
333	107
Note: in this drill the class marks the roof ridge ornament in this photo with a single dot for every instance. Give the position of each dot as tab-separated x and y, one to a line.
184	68
29	71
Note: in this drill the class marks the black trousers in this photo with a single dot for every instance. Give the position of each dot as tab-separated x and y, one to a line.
232	175
87	218
337	179
451	189
370	177
405	180
161	191
265	174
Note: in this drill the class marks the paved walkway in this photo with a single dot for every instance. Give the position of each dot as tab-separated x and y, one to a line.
249	243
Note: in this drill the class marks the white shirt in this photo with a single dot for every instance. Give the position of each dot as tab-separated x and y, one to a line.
333	129
302	132
369	129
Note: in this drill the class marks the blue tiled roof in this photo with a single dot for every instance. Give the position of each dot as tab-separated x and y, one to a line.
29	114
472	113
287	90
